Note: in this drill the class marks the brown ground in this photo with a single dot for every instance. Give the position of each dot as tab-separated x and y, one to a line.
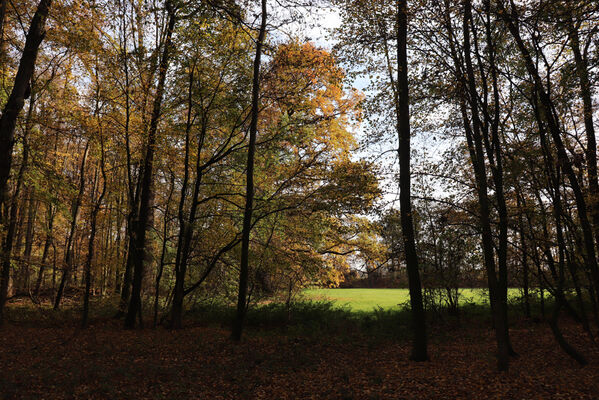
104	361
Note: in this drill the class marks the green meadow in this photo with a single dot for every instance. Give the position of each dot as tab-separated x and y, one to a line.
369	299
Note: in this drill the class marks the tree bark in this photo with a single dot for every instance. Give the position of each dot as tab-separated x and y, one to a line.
249	193
524	252
91	242
164	248
68	258
546	110
186	224
50	215
582	71
477	157
146	188
15	102
11	111
419	339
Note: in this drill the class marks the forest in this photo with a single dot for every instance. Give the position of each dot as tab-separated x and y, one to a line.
194	193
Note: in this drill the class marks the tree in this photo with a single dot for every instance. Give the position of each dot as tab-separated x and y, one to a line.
146	187
419	348
8	120
249	191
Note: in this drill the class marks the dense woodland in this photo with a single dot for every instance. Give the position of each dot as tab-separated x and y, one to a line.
168	153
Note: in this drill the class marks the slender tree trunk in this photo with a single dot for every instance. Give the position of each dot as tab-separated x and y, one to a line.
186	224
559	337
117	251
477	156
546	110
3	4
20	90
129	259
31	215
419	345
582	71
141	226
524	251
13	209
8	121
11	229
163	252
92	237
40	277
69	256
249	194
133	187
560	297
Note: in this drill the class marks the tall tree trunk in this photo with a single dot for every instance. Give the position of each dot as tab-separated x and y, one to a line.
186	225
117	250
546	110
8	121
92	237
129	260
146	188
582	71
11	229
477	157
132	186
69	256
3	4
50	215
164	248
559	275
31	215
19	92
524	252
249	192
419	342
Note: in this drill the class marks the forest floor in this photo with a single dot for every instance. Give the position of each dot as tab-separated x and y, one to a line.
51	359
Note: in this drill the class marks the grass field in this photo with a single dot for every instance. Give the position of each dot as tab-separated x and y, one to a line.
369	299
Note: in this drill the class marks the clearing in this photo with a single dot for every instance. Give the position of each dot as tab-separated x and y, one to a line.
388	299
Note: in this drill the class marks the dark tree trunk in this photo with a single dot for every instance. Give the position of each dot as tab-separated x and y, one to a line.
128	273
249	193
3	4
419	345
493	148
559	337
8	120
48	242
524	252
163	252
133	189
69	256
31	216
19	92
117	251
186	224
146	195
559	294
546	110
90	245
7	245
582	71
13	211
477	156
